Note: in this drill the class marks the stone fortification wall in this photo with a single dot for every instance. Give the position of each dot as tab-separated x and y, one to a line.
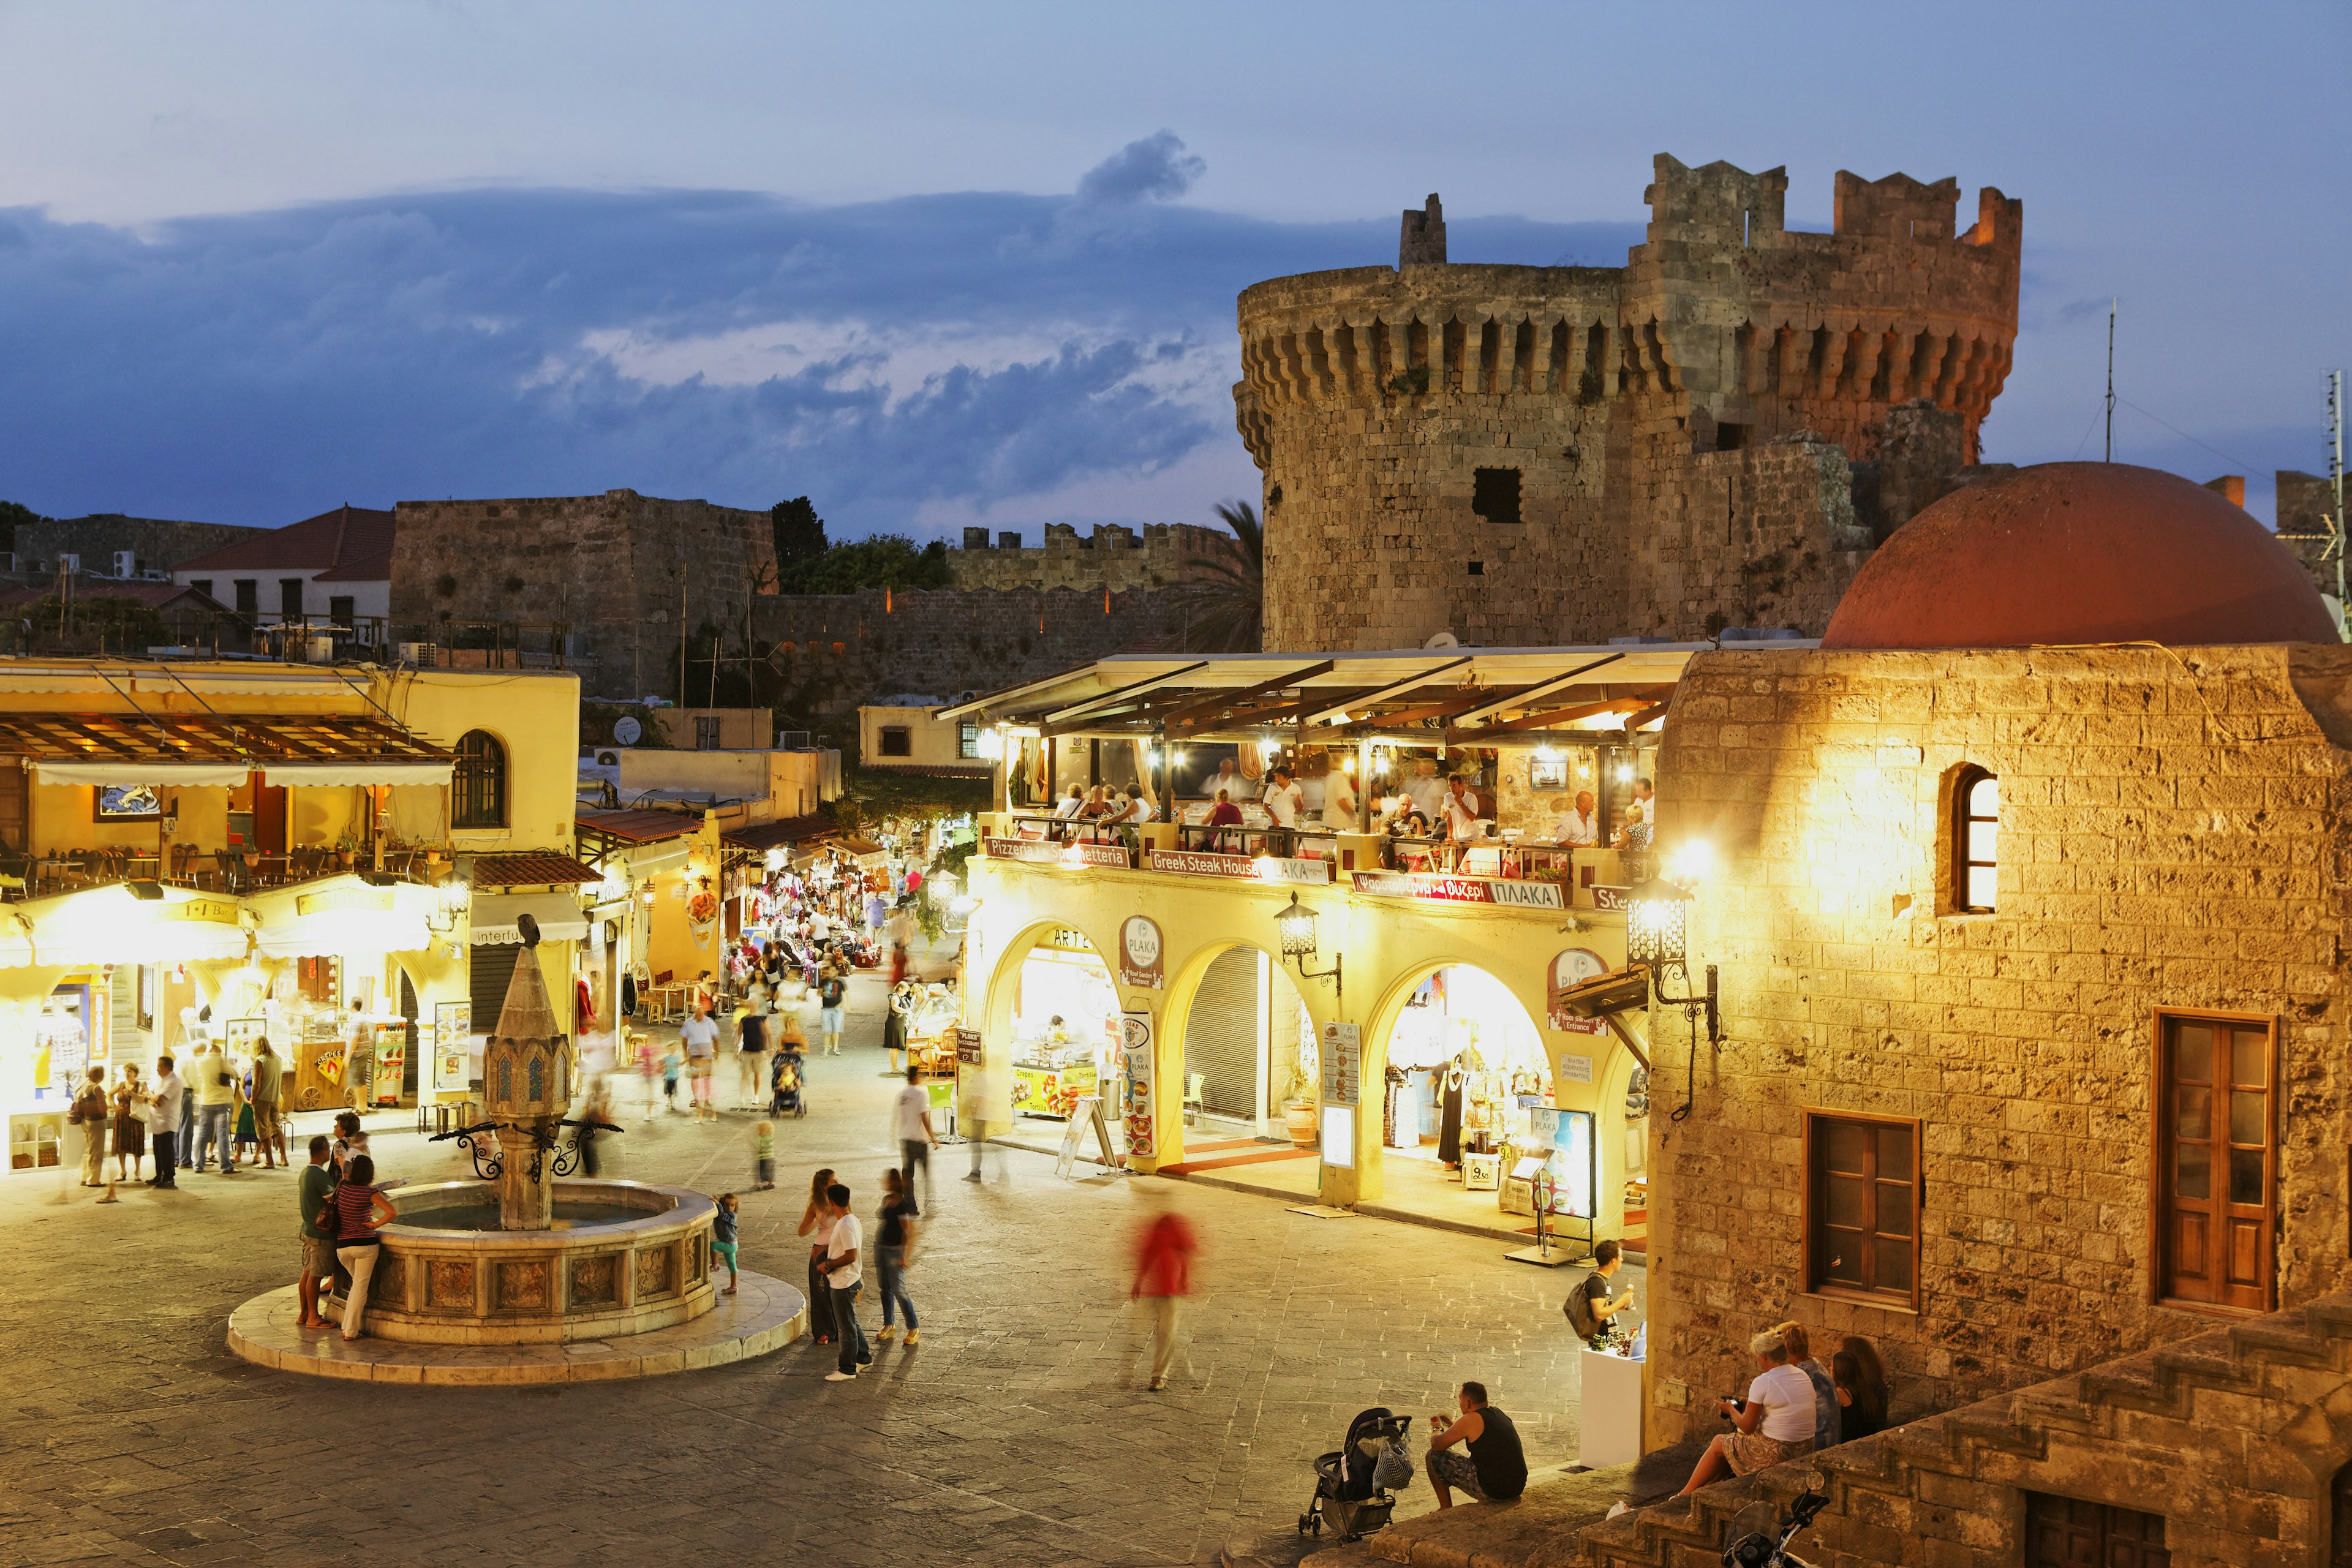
857	647
2173	833
1411	422
1114	557
160	544
617	567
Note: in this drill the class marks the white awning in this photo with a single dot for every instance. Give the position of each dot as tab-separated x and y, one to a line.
317	776
178	775
342	915
558	915
112	925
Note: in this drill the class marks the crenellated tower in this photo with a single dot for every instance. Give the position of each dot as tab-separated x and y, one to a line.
1558	454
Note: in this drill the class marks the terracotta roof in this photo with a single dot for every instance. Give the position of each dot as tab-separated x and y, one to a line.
789	830
637	826
332	541
376	568
210	738
537	868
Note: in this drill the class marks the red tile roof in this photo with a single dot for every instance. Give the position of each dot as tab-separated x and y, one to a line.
537	868
639	826
375	568
333	541
790	830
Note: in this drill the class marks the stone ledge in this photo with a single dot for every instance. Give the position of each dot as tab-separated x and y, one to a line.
764	1315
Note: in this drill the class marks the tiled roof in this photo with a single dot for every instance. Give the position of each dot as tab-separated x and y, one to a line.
537	868
376	568
789	830
288	738
639	826
331	540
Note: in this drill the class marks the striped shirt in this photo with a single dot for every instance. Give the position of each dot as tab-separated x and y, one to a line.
354	1206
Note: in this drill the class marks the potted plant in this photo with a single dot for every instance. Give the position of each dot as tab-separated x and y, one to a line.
1299	1117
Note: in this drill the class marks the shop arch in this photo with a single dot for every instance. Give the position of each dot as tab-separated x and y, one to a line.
1043	1073
1233	1018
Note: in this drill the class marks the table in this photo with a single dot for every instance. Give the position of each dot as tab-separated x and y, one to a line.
667	1004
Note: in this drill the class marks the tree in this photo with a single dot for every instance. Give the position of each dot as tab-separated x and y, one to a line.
800	533
13	515
881	560
1232	585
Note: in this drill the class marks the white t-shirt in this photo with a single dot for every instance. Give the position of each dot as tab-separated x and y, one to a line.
700	1036
1071	807
1461	814
914	1102
1426	794
1339	803
1283	803
1574	826
849	1236
1787	1395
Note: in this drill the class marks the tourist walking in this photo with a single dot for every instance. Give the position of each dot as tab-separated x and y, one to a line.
130	1113
723	1231
1163	1278
846	1274
184	1115
832	992
894	1250
700	1036
763	1155
247	1138
314	1196
360	1212
751	1047
816	1224
648	1062
268	1101
164	1106
89	1111
216	1100
912	1111
351	1142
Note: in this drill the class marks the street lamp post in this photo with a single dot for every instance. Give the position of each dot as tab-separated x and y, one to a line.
1296	922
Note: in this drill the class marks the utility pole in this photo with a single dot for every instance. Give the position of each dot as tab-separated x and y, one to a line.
2336	481
2111	380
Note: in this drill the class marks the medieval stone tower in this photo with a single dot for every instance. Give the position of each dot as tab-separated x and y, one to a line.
1714	435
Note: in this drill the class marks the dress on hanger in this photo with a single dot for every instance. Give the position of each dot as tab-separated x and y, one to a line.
1449	1131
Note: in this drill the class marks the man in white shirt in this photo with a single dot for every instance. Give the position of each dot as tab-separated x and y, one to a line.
1426	789
1284	801
912	1112
699	1037
1228	777
162	1126
1580	826
1461	809
844	1274
1339	802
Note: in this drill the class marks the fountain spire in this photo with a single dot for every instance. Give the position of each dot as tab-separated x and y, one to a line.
527	1087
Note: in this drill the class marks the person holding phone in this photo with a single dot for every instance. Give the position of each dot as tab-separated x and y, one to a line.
1774	1424
1494	1466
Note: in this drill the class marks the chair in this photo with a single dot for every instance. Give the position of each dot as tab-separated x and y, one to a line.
1192	1109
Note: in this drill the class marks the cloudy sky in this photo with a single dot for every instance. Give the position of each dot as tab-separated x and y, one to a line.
939	264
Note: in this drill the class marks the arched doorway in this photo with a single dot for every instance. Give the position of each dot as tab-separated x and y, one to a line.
1059	1019
1248	1052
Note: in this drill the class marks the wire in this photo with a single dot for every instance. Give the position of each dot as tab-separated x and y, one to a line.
2086	436
1690	1084
2185	435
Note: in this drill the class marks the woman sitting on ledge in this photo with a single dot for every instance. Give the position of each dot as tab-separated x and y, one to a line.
1773	1424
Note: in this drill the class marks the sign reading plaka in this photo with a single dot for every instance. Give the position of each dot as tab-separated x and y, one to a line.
1039	853
1139	951
1258	869
1460	889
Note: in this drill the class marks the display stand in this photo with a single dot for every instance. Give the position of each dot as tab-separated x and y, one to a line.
1540	1194
1610	1410
1087	1113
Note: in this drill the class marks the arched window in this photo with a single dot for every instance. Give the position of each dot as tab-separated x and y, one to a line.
478	789
1976	840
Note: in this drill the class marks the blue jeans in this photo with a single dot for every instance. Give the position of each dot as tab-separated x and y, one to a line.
215	1121
187	1129
893	1260
850	1334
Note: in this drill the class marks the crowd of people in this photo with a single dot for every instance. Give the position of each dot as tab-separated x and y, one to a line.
226	1110
1795	1405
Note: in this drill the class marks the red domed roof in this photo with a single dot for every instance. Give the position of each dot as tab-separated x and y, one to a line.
2080	553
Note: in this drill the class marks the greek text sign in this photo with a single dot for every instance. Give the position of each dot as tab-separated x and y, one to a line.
1460	889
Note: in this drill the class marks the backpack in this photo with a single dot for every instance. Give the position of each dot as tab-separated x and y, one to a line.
1579	1307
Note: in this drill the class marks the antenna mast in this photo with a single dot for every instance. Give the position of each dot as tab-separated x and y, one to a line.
2111	381
2336	480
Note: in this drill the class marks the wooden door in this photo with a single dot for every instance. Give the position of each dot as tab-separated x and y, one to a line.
269	817
2062	1533
2215	1160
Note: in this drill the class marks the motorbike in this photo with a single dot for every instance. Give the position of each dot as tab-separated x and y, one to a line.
1759	1537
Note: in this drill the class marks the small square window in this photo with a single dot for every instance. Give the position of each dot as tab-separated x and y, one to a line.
898	740
1494	494
968	741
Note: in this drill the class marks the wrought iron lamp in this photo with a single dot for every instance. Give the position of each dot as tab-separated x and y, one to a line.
1657	937
1296	922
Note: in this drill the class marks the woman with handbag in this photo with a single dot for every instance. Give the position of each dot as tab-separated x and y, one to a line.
131	1113
89	1112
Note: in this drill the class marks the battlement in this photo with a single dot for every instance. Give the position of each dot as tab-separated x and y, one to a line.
1111	556
1717	202
1422	237
1896	207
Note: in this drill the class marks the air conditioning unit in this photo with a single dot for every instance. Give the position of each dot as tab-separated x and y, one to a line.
791	740
319	650
126	563
418	653
69	566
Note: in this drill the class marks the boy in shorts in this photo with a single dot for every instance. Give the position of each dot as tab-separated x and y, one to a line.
316	1193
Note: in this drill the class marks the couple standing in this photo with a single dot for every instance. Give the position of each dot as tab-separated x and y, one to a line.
837	1269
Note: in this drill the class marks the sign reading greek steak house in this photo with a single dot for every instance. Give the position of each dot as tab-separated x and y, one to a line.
1460	889
1261	869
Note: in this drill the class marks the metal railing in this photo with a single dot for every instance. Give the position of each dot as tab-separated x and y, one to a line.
231	871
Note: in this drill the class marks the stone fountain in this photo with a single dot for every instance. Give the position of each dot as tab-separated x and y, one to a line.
574	1278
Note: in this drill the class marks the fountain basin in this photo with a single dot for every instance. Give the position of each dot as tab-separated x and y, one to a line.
628	1258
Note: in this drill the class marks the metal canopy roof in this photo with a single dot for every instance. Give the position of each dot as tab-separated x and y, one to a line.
1462	696
182	738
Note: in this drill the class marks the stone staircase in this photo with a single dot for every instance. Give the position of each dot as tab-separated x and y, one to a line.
2235	1435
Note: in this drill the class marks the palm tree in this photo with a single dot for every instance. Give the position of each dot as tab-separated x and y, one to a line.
1230	586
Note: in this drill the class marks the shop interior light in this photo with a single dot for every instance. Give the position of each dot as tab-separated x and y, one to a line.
992	743
1625	773
1269	748
1546	755
1348	764
649	895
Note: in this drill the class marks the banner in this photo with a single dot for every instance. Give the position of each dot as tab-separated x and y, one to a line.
1242	867
1442	889
1037	852
1135	1052
1140	951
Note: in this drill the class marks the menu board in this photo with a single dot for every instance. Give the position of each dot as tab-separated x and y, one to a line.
453	1023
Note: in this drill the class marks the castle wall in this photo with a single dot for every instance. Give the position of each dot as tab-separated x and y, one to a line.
1112	557
1372	397
2173	834
618	567
160	544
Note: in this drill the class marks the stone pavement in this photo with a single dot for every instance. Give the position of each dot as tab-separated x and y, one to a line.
1016	1433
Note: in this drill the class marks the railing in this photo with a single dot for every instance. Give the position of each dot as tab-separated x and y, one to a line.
231	871
1243	838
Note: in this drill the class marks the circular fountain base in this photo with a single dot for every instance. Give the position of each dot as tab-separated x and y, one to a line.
764	1315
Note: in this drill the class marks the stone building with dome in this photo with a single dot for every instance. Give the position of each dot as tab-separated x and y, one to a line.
2029	921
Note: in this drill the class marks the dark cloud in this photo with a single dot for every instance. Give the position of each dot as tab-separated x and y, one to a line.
884	358
1154	169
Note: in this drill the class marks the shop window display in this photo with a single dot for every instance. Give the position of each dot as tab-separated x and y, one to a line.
1469	1087
1065	1027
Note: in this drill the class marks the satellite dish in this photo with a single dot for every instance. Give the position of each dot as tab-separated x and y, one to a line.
627	729
1444	639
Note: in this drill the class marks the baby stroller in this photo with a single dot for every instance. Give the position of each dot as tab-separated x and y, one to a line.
784	1082
1353	1485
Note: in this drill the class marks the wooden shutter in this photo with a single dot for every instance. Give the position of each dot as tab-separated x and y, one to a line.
2065	1532
1862	1206
2215	1160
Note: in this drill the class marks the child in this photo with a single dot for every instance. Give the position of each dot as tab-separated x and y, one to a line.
670	1063
722	1238
763	1145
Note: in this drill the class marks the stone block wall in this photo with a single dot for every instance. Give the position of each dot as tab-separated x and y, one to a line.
1372	397
2174	834
621	568
1114	557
